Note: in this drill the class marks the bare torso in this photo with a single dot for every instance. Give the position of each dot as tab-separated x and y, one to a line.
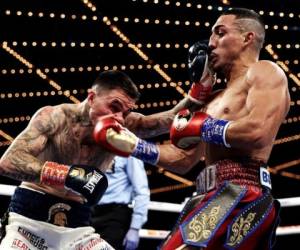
230	104
72	144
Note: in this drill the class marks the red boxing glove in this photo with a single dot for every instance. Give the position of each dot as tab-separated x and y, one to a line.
200	91
105	133
200	74
120	141
186	127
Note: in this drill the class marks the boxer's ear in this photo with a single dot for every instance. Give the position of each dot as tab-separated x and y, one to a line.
248	37
91	96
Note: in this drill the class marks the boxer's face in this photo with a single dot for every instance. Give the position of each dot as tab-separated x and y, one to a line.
113	103
226	43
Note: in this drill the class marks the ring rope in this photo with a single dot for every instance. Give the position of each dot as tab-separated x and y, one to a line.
8	190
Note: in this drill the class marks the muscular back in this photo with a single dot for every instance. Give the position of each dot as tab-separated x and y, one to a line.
258	102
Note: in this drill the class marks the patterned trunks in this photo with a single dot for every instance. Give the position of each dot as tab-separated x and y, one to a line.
234	209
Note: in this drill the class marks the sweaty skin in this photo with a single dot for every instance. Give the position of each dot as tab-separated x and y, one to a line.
54	134
256	100
255	128
63	134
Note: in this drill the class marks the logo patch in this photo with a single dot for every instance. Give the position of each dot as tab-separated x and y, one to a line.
100	243
93	181
182	119
77	172
265	178
35	240
19	244
57	214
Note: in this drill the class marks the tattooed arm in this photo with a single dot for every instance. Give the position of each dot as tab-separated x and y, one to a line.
159	123
20	160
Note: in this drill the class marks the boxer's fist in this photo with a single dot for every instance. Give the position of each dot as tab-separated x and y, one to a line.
197	60
119	140
88	181
189	128
114	137
201	75
185	130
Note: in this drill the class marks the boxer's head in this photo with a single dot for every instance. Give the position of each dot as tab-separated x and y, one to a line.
113	93
236	32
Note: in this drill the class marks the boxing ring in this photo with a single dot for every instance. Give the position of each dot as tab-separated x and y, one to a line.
165	207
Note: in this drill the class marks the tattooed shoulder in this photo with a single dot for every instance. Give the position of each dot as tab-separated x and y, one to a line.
150	125
48	119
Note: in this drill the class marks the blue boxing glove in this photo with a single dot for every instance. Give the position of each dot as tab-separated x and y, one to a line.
131	240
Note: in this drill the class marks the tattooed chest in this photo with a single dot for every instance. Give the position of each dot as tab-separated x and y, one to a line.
72	148
72	152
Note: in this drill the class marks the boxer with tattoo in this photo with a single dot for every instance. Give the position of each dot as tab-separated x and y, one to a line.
61	165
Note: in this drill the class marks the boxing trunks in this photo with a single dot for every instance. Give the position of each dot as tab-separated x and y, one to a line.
40	221
233	209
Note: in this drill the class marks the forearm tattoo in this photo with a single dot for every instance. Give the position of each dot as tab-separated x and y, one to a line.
19	161
21	167
157	124
187	103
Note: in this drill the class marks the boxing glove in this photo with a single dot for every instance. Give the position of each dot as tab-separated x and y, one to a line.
88	181
200	74
189	128
112	136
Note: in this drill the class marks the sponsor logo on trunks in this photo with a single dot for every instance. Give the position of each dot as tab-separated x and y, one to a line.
206	180
91	243
265	178
57	214
18	244
35	240
94	179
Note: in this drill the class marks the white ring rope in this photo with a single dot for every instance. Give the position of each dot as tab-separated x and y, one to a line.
8	190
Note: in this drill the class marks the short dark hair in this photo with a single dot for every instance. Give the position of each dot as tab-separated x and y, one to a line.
114	79
244	15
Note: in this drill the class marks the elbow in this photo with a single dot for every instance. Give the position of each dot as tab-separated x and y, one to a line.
3	164
257	137
178	160
188	159
178	167
183	166
182	170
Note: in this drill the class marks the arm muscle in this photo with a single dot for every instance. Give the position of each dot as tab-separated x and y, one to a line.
267	105
20	161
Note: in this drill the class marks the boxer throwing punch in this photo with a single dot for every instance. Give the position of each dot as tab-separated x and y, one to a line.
234	129
61	166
